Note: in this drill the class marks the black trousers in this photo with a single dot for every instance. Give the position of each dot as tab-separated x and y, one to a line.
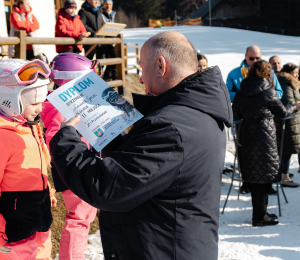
259	194
239	151
104	51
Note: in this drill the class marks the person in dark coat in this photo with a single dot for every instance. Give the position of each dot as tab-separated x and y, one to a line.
256	103
288	79
92	18
159	192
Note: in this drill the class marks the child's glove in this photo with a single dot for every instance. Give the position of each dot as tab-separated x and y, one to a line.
53	201
5	250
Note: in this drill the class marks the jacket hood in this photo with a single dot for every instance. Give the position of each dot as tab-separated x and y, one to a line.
254	85
204	91
9	124
287	79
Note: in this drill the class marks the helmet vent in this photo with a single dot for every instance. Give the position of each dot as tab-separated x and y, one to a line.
6	103
80	58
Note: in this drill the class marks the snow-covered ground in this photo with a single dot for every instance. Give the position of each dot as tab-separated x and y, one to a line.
224	47
238	239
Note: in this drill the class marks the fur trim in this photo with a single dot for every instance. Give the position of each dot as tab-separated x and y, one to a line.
290	79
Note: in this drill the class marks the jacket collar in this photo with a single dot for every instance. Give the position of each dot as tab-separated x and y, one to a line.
204	91
289	79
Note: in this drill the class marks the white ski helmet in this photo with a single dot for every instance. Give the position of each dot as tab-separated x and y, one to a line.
10	95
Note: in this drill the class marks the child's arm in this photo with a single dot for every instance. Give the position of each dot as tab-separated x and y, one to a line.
53	127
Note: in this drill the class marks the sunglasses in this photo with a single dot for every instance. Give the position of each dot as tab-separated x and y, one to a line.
27	74
96	67
254	58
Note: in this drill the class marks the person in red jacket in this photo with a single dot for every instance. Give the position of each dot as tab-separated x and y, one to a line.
22	18
68	24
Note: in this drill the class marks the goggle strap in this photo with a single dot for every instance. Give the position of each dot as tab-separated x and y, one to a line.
8	80
55	74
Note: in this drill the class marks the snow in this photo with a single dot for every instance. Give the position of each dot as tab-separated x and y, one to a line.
224	47
238	240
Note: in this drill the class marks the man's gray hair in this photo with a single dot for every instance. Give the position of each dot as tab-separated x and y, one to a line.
180	54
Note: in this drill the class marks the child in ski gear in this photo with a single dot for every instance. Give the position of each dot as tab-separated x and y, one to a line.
68	24
26	196
75	233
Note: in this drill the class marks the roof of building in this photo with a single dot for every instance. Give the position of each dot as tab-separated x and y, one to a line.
204	9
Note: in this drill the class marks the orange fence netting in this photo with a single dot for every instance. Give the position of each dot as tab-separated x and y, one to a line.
169	22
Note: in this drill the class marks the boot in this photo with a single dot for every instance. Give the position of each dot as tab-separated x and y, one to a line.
287	182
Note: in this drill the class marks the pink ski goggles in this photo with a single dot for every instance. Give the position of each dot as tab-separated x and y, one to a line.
27	74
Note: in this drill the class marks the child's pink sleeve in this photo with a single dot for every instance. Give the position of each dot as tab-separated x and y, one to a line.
56	118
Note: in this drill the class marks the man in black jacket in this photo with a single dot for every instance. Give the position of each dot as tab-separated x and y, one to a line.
92	19
159	192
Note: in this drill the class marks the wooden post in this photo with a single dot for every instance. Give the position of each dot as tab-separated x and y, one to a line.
137	58
120	67
125	61
20	50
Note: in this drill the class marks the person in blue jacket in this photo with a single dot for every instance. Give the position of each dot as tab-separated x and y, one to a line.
234	79
233	82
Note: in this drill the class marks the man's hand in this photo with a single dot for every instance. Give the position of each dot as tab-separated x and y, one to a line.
5	250
72	122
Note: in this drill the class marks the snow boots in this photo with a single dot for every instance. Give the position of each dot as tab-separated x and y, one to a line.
269	220
287	182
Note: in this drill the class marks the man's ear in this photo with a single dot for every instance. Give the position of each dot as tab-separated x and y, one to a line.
162	66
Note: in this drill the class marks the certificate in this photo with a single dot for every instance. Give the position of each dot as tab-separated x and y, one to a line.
104	113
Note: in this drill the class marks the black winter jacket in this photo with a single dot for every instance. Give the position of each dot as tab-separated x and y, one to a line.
91	20
159	192
256	103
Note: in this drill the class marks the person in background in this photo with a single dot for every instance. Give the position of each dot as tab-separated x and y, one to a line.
255	104
108	13
202	61
108	50
68	24
233	82
288	78
22	18
275	63
92	19
26	196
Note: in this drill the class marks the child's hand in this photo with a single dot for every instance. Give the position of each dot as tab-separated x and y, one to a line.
83	36
5	250
53	201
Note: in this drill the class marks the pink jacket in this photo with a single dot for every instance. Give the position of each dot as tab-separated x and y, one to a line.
52	120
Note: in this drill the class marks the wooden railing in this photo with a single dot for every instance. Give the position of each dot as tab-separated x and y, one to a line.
21	40
137	56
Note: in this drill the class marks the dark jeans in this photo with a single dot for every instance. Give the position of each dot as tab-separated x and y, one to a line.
104	51
259	194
